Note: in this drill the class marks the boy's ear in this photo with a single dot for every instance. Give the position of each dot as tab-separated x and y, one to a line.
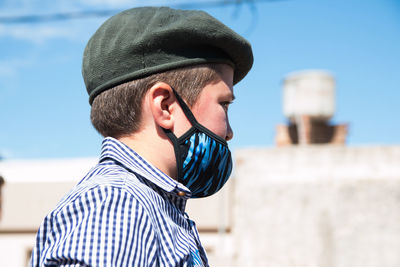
161	100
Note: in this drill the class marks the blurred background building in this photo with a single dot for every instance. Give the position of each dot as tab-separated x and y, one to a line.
309	201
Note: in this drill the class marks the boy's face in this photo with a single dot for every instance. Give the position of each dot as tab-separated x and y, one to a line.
211	107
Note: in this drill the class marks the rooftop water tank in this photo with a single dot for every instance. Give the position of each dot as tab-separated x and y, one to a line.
311	93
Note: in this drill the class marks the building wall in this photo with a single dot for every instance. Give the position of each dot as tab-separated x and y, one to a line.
322	206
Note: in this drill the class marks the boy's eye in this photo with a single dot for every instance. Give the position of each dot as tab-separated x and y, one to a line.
226	104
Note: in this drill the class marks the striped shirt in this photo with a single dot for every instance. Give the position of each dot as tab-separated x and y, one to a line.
124	212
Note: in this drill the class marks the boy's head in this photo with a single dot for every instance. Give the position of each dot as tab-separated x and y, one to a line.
139	47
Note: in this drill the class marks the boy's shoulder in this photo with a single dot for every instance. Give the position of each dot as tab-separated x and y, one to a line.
103	183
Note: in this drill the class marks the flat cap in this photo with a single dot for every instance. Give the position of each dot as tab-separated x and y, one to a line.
143	41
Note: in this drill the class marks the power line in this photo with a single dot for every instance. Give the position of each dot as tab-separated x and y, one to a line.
109	12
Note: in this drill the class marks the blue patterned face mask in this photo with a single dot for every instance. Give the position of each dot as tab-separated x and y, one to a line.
203	158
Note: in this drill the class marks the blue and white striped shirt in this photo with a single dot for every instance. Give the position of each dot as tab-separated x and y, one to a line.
124	212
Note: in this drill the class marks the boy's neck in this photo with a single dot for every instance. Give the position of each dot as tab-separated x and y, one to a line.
158	151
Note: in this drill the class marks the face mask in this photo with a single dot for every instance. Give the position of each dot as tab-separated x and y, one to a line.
203	158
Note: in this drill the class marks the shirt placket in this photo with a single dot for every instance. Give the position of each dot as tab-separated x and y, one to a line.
195	234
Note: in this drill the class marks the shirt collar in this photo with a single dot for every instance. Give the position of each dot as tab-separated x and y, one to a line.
118	151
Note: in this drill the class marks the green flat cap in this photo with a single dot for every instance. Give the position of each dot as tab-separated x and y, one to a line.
143	41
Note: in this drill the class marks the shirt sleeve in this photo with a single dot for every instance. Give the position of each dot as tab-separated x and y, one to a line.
105	226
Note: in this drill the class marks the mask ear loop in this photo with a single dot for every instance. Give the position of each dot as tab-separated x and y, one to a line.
178	156
189	115
186	110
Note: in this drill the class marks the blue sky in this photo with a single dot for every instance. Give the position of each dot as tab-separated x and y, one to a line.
44	110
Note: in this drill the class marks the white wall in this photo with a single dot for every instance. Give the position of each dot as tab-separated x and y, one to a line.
322	206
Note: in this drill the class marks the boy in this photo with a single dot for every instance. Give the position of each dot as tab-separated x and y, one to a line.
160	82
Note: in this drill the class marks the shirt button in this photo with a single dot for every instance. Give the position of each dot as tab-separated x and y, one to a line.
181	193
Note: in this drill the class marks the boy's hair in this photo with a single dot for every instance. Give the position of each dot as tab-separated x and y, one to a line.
117	111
